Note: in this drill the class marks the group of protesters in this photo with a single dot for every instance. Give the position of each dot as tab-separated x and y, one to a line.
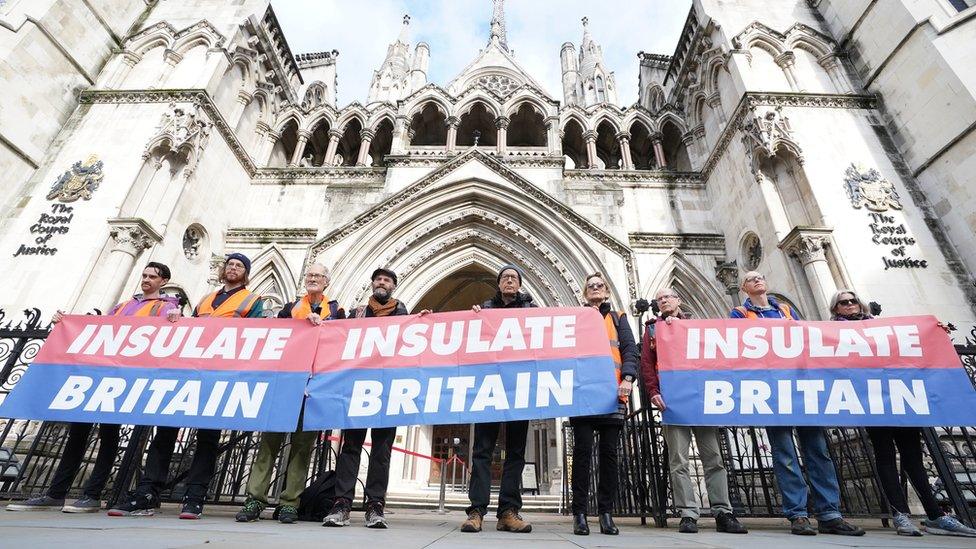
233	300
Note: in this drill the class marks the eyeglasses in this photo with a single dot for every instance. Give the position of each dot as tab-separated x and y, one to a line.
596	286
314	276
756	278
237	266
667	296
847	302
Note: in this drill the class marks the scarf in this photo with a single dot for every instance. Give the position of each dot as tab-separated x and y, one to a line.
382	309
303	307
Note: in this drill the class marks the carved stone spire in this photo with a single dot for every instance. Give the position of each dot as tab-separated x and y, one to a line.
498	25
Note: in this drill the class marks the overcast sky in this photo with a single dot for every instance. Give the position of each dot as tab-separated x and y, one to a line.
457	29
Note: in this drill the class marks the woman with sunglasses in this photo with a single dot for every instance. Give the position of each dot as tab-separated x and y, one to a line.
596	294
846	305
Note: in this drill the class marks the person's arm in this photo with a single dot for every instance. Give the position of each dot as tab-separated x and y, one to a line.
285	311
628	348
257	311
734	313
649	366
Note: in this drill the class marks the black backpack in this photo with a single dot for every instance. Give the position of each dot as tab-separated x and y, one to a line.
316	501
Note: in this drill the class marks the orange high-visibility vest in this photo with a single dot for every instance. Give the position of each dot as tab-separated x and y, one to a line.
610	320
149	308
752	315
237	305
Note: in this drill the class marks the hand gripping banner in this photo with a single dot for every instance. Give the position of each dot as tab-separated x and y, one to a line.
885	372
208	373
462	367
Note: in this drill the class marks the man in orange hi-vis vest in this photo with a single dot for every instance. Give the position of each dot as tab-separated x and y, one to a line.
233	300
149	303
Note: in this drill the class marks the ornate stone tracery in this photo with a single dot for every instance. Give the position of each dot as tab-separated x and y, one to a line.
183	131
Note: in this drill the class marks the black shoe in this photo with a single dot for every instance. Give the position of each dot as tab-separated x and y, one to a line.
580	527
287	514
688	525
192	510
800	526
840	527
374	515
607	526
250	512
138	505
726	522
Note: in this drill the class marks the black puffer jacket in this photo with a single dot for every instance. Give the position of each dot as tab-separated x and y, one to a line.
522	300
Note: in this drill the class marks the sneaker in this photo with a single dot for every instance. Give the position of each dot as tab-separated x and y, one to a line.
338	516
374	515
192	510
473	524
948	525
510	521
37	503
287	514
800	526
250	512
904	526
84	504
839	527
138	505
726	522
688	525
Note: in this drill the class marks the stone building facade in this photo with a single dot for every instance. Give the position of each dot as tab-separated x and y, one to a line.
826	143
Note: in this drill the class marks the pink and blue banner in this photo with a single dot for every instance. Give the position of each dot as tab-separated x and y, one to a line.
462	367
206	373
899	371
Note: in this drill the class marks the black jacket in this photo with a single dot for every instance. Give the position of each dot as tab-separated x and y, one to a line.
285	311
401	310
628	347
522	300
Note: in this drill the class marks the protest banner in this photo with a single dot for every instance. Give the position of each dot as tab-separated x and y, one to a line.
461	367
884	372
197	372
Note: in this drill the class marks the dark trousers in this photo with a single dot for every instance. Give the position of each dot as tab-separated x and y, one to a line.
582	458
479	491
74	452
378	474
908	440
160	454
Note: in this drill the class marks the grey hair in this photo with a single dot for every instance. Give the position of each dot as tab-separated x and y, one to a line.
836	299
326	271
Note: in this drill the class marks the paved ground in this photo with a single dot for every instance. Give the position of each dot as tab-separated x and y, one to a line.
409	529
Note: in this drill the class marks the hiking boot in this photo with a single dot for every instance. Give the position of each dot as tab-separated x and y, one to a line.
726	522
84	504
473	524
138	505
287	514
192	510
800	526
904	526
374	515
250	512
338	516
510	521
37	503
688	525
840	527
948	525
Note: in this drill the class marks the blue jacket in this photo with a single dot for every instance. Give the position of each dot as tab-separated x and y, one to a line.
774	312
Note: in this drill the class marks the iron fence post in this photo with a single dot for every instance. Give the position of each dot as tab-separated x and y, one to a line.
948	476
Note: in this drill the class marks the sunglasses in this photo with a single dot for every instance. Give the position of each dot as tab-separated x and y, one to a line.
595	285
847	302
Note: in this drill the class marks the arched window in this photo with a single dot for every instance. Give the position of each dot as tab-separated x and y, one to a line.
573	146
429	127
527	128
601	90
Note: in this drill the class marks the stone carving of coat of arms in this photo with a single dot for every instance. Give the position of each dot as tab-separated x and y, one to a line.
78	182
868	189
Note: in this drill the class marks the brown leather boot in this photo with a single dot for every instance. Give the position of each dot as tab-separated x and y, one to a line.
473	524
510	521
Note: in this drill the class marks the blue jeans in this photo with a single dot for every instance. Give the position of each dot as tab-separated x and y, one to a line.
823	476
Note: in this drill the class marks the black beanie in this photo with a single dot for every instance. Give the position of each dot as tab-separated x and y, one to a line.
518	271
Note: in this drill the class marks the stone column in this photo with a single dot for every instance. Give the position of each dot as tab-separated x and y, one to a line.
658	152
128	238
835	71
727	273
501	123
271	137
243	99
303	137
691	145
127	60
590	137
366	137
452	126
808	246
552	135
715	102
624	139
399	135
334	137
786	61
